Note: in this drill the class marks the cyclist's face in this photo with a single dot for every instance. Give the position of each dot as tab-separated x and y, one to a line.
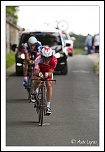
32	46
46	59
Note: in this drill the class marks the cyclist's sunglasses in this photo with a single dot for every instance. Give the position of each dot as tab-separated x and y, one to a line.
31	44
46	58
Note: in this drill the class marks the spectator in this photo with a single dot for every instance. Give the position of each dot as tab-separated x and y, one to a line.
93	47
88	43
96	43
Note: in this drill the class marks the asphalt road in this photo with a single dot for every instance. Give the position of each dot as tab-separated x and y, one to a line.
75	110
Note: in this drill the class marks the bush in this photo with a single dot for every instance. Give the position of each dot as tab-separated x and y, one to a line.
96	68
10	59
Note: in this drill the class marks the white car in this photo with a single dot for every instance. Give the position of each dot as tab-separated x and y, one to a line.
69	40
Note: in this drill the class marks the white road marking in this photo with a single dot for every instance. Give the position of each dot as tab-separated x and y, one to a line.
81	71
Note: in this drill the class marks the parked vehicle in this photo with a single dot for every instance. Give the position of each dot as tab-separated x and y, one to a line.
69	40
51	38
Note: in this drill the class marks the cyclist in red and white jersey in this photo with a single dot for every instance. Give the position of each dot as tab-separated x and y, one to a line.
45	64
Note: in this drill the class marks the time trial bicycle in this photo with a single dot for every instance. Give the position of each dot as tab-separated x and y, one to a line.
40	97
30	85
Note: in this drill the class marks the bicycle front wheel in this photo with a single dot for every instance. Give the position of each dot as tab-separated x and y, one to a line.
41	111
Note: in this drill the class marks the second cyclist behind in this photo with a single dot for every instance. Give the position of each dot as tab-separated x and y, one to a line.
32	46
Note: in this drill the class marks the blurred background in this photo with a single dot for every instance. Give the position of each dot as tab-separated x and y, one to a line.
78	21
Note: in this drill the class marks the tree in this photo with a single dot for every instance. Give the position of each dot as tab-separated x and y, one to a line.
80	40
11	14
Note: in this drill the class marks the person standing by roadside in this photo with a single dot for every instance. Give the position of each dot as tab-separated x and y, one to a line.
88	43
96	43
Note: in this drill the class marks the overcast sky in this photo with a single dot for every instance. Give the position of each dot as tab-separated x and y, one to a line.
83	17
80	19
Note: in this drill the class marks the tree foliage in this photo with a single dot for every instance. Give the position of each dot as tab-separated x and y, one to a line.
11	11
80	40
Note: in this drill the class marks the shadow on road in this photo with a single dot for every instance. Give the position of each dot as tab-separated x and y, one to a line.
22	123
18	100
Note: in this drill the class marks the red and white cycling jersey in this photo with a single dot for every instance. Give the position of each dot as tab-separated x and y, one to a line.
45	67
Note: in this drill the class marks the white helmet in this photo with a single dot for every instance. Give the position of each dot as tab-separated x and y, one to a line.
47	52
32	40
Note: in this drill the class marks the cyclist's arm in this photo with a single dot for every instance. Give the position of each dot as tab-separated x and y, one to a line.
27	59
37	71
45	75
37	68
52	68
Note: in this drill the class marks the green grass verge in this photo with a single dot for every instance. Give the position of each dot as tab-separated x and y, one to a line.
10	59
78	51
96	68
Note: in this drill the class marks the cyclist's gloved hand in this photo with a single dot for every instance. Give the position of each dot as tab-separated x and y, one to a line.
41	74
31	61
46	75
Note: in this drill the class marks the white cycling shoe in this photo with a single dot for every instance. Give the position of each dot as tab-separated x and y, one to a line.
32	98
48	111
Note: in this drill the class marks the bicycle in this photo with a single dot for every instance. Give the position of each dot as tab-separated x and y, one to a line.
41	99
30	85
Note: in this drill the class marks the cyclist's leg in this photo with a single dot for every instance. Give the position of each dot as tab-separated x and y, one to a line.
36	83
49	89
35	87
49	95
25	69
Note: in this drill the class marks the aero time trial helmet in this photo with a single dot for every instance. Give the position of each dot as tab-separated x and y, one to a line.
32	40
47	52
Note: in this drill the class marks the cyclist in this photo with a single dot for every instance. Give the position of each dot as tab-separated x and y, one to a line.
33	46
45	64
